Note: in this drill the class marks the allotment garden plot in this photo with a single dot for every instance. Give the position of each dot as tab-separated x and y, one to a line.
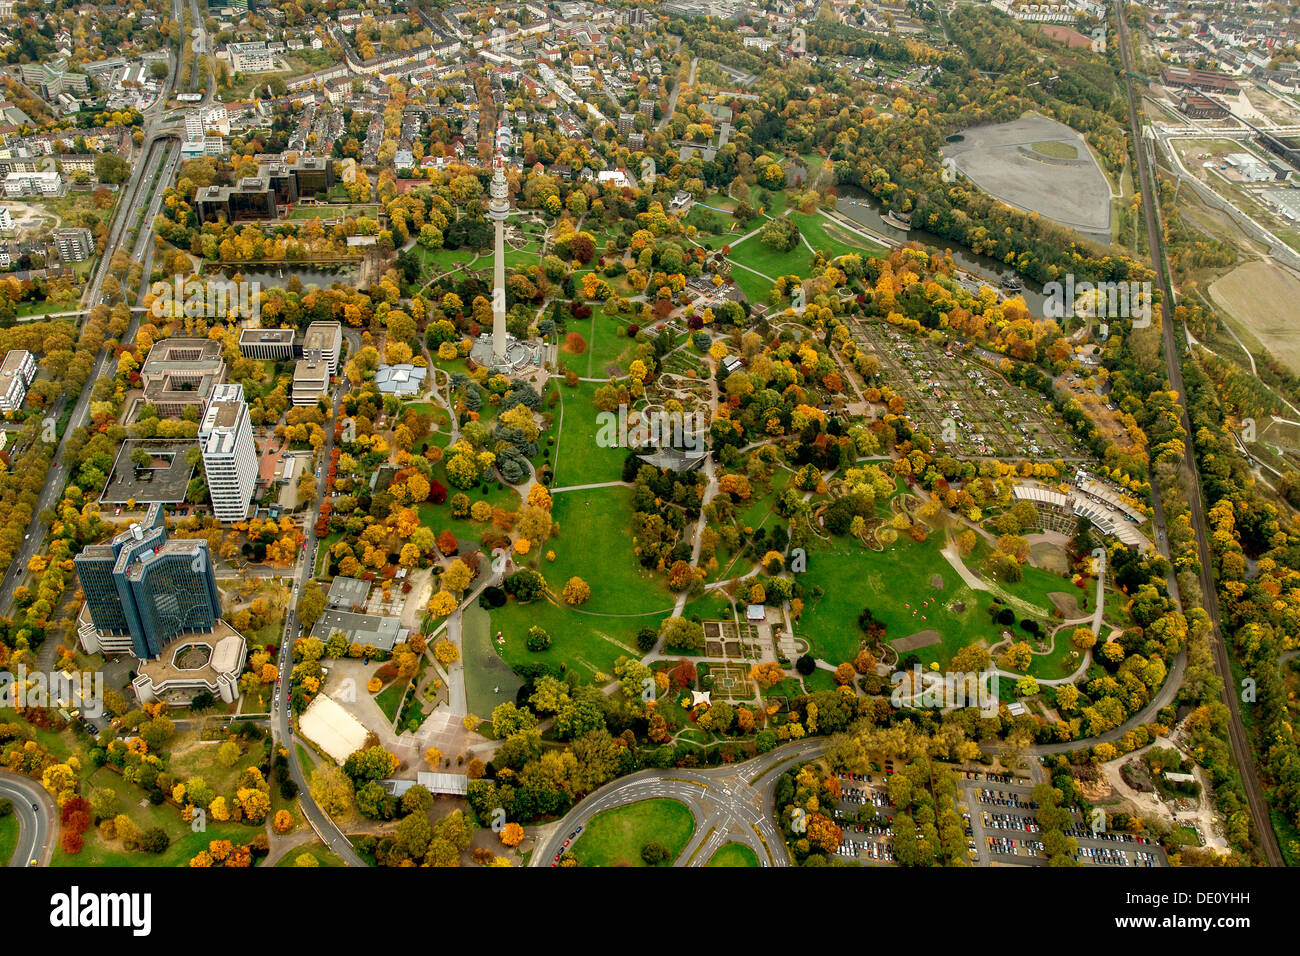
984	414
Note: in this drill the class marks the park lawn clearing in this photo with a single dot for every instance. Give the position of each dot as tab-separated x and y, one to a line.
579	362
605	347
595	544
390	698
133	802
586	643
894	583
1034	587
831	239
323	855
578	459
1060	661
615	837
9	839
733	854
488	679
754	286
760	506
466	530
200	760
752	252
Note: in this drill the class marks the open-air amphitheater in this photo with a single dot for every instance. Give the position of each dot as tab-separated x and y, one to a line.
1092	500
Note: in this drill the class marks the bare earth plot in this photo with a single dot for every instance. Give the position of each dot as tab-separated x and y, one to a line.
1261	296
1025	164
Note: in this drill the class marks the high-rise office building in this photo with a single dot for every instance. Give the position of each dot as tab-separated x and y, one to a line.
147	587
229	455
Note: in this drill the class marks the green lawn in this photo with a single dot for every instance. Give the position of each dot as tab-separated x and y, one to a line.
833	239
855	577
579	460
733	854
9	840
771	262
615	837
584	643
605	347
390	698
754	286
439	518
323	855
488	679
595	544
133	802
201	761
336	211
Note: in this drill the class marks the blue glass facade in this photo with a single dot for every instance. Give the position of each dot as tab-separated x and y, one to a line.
144	585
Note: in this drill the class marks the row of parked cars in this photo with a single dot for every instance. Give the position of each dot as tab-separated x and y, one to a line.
1004	798
1009	821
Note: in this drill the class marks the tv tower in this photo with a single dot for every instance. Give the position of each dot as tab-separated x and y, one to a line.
498	210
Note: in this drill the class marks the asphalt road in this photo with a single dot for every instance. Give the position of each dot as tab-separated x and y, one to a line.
159	158
732	804
281	722
1241	749
35	812
737	803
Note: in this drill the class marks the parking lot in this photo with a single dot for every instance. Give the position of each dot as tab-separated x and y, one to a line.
866	843
999	818
1001	827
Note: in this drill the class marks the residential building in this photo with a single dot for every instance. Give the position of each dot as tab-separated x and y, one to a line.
19	184
229	455
16	375
251	57
74	245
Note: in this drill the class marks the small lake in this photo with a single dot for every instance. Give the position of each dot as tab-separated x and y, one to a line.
277	277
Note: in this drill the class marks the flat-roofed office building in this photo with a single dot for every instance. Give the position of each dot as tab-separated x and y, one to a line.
267	344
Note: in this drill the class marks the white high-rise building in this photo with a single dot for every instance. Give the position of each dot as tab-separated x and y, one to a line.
229	456
194	128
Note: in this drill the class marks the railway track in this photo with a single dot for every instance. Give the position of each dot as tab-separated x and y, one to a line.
1266	839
